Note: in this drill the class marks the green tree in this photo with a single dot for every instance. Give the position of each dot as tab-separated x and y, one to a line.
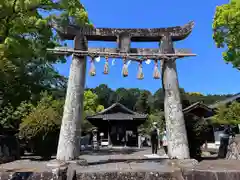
226	26
156	117
142	104
125	97
41	126
91	107
105	95
25	67
158	99
10	117
228	114
45	118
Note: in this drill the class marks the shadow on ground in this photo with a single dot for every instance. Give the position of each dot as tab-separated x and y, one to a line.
161	161
111	151
100	152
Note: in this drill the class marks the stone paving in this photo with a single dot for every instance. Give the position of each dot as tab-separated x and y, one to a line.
116	159
119	164
123	160
118	154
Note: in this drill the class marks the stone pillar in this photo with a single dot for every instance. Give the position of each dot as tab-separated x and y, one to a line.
139	141
124	42
70	133
95	139
175	124
109	138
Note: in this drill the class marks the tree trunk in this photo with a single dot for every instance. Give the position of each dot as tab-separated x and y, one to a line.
175	124
70	133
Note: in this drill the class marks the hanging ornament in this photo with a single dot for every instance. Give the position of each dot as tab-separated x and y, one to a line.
92	71
140	74
113	61
98	59
128	63
148	61
125	68
156	72
106	66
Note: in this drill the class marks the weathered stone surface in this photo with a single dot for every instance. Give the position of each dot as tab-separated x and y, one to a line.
136	34
123	165
70	133
234	149
127	176
172	170
28	176
214	170
175	124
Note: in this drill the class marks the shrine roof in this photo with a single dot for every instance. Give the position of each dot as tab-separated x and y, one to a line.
137	34
118	111
235	97
196	105
199	109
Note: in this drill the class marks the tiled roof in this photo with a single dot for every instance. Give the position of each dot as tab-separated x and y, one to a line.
197	105
226	101
123	113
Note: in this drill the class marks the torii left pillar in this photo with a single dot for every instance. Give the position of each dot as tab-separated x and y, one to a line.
70	133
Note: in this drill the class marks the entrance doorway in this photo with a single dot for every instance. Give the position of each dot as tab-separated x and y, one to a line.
118	135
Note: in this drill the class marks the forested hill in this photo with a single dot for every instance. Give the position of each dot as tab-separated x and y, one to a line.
144	101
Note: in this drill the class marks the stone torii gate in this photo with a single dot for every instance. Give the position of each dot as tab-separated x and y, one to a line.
68	146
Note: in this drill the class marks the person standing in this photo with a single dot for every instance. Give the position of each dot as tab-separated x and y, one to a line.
164	142
154	141
224	141
158	134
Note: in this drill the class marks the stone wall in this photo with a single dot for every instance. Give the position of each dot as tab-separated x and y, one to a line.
172	170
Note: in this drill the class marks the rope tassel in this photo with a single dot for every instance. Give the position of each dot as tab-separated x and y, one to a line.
92	71
156	72
106	66
140	74
125	68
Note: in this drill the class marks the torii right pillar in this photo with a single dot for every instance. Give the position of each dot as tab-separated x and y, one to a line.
175	124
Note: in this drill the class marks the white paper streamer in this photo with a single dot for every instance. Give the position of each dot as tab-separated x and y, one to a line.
98	59
128	63
113	62
148	61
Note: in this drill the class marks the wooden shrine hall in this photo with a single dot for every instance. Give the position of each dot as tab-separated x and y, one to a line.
118	124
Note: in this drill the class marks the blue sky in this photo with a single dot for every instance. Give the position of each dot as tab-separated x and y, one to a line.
206	73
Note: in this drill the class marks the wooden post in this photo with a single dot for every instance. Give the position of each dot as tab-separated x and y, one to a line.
175	124
70	133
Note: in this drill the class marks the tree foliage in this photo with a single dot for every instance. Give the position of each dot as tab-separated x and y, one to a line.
40	128
91	107
142	104
42	125
197	133
131	97
10	117
156	117
25	34
228	114
226	26
46	116
43	119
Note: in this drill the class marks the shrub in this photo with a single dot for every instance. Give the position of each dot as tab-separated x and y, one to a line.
41	126
197	131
